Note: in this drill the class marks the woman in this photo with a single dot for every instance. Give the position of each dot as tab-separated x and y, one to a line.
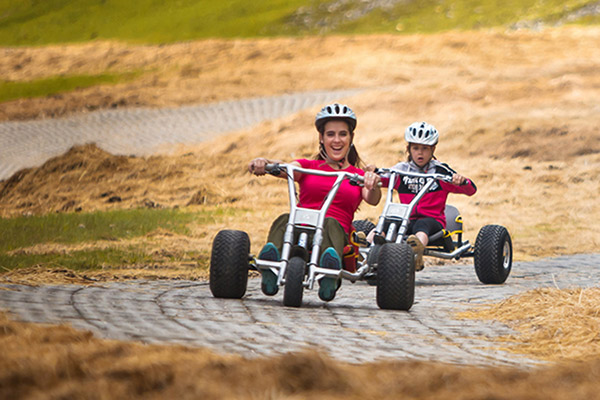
335	124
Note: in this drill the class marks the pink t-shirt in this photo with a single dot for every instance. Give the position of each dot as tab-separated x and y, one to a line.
313	190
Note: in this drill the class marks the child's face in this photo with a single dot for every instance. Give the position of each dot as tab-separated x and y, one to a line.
421	154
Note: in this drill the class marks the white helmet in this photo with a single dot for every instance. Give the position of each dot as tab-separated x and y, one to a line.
421	133
335	111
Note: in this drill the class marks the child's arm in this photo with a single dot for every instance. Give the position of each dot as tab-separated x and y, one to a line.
460	184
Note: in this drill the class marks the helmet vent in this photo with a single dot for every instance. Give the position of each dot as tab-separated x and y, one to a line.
338	111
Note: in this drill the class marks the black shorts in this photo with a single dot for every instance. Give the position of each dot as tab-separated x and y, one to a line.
427	225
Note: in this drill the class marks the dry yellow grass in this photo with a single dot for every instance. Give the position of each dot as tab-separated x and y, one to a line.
550	324
60	362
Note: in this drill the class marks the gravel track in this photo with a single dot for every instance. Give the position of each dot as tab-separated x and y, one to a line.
25	144
350	328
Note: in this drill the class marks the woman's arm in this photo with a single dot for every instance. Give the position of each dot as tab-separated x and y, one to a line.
371	192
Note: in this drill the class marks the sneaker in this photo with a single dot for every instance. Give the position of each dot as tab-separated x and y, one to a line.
269	279
360	239
328	286
418	248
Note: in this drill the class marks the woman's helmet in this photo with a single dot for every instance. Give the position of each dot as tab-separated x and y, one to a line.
335	111
421	133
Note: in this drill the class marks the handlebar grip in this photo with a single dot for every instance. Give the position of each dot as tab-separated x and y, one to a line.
273	169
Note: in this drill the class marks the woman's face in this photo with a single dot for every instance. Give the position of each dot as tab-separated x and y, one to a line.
336	139
421	154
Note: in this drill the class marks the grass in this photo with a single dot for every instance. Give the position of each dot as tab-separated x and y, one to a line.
74	228
37	22
77	260
71	228
431	16
58	84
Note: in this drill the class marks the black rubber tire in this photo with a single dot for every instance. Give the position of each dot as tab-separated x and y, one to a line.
363	225
371	260
229	264
395	277
493	254
293	289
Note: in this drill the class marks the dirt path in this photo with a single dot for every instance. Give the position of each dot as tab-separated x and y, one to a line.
351	328
142	132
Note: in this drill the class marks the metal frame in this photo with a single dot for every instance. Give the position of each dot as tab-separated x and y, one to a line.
398	214
305	218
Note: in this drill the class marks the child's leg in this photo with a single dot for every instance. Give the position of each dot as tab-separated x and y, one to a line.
425	227
422	229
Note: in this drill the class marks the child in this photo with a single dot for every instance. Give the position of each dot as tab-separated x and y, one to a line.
428	217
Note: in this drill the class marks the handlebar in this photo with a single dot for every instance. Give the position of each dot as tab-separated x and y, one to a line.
440	177
276	169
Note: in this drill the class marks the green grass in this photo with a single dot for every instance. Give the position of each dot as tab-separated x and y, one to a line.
431	16
74	228
58	84
71	228
40	22
77	260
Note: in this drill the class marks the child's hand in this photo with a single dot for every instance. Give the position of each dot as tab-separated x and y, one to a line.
458	179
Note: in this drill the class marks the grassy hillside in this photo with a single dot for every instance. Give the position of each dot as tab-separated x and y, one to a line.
39	22
35	22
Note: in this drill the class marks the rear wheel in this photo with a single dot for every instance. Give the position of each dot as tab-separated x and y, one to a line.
293	289
229	264
363	225
372	257
395	277
493	254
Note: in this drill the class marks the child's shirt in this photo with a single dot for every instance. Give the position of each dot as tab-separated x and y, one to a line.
433	203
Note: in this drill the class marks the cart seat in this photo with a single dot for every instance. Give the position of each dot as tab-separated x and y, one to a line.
454	226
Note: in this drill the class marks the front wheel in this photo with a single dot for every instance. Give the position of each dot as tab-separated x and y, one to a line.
293	289
229	264
395	277
493	254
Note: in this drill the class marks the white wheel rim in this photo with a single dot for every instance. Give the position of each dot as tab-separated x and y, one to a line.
506	255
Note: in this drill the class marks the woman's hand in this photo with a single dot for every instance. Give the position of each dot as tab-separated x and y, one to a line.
371	190
371	181
257	166
370	168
